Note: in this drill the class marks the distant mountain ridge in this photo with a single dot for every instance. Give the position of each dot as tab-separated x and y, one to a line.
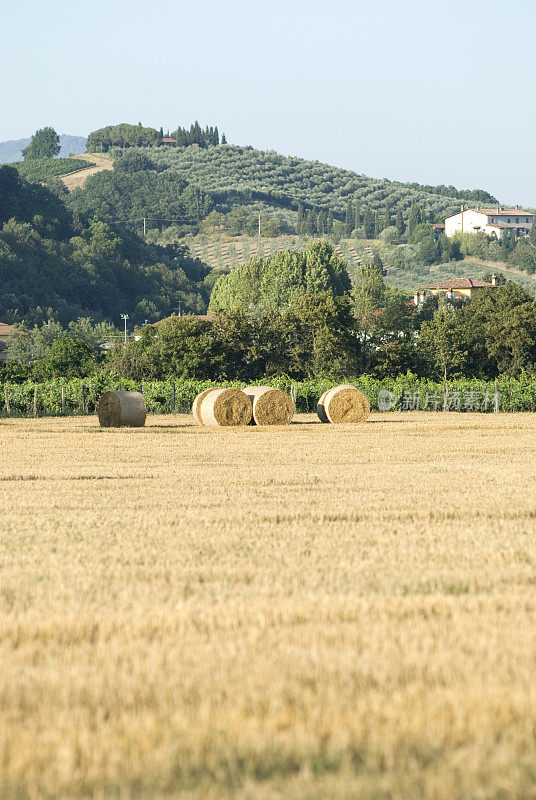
11	151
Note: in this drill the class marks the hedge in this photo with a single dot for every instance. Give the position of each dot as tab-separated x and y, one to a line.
407	392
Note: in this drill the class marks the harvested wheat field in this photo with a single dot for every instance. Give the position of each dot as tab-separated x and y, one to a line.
314	611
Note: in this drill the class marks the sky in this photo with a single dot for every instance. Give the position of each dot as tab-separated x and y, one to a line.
434	92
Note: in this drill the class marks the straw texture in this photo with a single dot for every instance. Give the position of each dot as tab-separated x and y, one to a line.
122	409
270	406
343	404
197	403
224	407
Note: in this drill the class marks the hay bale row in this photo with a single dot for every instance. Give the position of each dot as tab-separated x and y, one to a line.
122	409
255	405
342	404
270	406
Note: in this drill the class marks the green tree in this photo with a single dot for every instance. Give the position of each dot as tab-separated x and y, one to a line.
442	341
67	358
368	225
357	218
368	296
413	221
377	225
45	143
400	226
278	280
348	220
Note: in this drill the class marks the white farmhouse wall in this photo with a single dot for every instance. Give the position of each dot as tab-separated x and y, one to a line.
472	221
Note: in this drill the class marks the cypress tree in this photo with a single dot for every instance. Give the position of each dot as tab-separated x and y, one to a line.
161	133
400	226
349	220
301	219
368	225
413	219
321	223
357	220
329	222
223	139
387	218
216	135
377	225
311	223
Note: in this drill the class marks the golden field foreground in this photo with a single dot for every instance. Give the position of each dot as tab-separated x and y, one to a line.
297	613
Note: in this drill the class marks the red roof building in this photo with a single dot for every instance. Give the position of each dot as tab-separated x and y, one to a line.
5	331
454	288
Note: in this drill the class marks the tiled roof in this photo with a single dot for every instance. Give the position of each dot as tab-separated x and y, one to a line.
5	329
457	283
503	212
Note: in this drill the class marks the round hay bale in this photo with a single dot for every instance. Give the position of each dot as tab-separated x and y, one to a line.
197	403
270	406
343	403
225	407
320	408
122	409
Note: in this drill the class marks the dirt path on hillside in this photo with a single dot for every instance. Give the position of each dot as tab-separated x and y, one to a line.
77	179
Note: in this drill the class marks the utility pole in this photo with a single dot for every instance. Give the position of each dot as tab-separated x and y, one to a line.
259	226
125	317
144	227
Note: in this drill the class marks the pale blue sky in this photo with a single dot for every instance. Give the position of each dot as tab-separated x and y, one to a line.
437	92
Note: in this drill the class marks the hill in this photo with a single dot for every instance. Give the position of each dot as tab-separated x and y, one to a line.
237	184
11	151
53	263
233	173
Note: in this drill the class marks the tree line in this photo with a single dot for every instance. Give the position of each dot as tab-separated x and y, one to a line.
297	314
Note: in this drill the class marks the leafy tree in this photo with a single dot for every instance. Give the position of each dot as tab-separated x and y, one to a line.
178	347
368	296
67	358
45	143
276	281
442	341
390	235
122	135
131	162
500	327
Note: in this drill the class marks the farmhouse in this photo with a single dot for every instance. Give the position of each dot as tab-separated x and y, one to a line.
491	221
168	140
454	289
5	333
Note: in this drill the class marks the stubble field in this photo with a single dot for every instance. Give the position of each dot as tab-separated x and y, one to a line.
302	613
